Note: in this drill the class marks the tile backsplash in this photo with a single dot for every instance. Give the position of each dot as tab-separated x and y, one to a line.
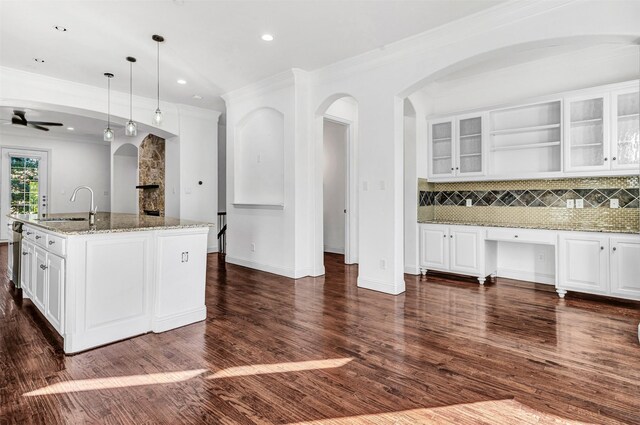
535	202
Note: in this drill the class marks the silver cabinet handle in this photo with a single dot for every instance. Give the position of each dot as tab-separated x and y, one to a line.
52	242
43	267
614	248
29	233
451	236
614	158
605	158
25	253
515	236
601	248
38	237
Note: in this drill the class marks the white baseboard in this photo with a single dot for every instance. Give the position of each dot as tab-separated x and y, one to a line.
334	250
548	279
174	321
281	271
414	270
380	286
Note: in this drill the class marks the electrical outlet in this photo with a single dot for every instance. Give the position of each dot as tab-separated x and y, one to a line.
469	203
614	203
569	203
383	264
579	203
253	247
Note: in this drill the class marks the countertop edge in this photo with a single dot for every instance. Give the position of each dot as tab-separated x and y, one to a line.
532	227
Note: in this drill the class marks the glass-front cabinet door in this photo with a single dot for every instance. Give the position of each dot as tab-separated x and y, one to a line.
586	133
625	143
470	148
440	148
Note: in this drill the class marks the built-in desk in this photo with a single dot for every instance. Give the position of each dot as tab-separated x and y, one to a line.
596	262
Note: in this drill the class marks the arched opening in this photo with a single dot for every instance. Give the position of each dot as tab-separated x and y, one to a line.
125	179
335	180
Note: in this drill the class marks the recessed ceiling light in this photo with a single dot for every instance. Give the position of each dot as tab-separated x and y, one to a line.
181	81
267	37
197	96
61	29
38	60
70	128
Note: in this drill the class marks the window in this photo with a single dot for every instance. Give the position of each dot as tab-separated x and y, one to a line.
25	189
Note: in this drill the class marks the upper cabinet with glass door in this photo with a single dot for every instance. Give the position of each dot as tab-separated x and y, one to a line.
441	147
470	146
587	133
625	123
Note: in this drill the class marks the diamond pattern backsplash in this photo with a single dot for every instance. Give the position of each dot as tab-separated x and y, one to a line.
539	202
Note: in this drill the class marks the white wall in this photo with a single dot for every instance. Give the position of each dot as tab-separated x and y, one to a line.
125	179
335	181
410	191
222	164
71	164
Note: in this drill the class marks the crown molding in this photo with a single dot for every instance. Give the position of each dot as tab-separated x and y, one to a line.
288	78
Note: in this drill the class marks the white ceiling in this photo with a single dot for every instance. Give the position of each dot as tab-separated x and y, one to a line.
214	45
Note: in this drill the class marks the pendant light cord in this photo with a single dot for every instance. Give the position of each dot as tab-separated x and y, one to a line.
130	91
158	72
108	102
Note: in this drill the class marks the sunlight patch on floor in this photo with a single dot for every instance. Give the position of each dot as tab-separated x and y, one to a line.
490	412
116	382
263	369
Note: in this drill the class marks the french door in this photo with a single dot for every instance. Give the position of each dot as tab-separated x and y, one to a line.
24	184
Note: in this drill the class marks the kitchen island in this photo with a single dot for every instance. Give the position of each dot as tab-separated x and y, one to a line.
124	276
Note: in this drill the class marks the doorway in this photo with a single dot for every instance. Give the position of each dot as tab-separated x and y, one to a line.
24	187
335	187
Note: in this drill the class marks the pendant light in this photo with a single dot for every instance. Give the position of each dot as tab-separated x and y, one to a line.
131	129
157	115
108	132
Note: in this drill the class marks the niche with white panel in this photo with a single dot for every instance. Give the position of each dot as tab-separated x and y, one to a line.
259	159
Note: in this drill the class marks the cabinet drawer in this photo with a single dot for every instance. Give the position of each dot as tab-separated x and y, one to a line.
56	245
40	238
29	233
522	235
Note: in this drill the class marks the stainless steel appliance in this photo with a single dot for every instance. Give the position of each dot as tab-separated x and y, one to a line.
16	246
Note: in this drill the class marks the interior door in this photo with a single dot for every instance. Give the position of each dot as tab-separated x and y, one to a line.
24	184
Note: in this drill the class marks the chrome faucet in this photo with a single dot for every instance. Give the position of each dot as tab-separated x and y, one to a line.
94	208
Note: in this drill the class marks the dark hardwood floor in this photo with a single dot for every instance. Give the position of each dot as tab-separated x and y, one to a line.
322	351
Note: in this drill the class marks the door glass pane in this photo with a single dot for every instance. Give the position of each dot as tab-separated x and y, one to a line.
25	190
587	134
628	137
471	145
441	161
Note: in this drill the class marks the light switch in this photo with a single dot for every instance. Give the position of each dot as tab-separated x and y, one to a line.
579	203
469	203
614	203
569	203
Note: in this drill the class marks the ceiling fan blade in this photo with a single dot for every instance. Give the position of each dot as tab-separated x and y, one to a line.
57	124
18	121
39	127
20	116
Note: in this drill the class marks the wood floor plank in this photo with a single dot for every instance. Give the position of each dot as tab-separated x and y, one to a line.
446	351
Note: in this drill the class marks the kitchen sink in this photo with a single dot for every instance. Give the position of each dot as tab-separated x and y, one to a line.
44	220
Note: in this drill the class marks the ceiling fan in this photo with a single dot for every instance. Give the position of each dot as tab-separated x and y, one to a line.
20	119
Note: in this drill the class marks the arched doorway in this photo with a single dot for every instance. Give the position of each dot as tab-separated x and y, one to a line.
335	183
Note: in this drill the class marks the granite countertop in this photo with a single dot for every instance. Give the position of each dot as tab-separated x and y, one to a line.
107	223
535	226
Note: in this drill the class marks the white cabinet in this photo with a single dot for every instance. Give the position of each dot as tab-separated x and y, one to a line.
587	133
26	269
625	129
10	252
465	250
43	278
625	266
434	247
456	249
600	264
584	262
440	148
456	146
38	277
54	277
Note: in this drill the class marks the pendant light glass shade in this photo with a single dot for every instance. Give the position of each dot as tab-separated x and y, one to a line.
108	135
157	115
131	129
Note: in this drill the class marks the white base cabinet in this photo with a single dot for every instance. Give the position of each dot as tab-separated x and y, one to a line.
455	249
600	264
99	288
